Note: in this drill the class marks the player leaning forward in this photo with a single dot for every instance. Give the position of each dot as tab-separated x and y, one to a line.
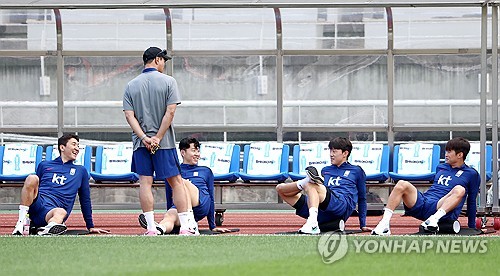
48	197
453	184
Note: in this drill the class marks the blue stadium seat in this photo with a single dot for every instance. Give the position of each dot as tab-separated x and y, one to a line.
84	157
474	157
113	163
309	154
415	162
265	161
222	158
19	160
373	158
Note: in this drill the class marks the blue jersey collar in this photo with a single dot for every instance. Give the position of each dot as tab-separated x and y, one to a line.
149	70
188	165
343	164
457	168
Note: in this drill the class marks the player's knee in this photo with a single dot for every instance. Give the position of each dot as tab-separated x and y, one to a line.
280	187
32	179
60	212
176	181
170	216
402	185
458	191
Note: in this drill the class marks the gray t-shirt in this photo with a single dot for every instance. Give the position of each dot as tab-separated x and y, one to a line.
148	96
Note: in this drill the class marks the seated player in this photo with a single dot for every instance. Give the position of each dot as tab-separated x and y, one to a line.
48	197
333	198
453	183
199	185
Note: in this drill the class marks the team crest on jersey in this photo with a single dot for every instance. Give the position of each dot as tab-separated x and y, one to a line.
346	173
459	173
195	173
72	171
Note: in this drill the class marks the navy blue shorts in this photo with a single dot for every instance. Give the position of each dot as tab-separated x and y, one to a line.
163	164
203	208
39	209
423	208
335	208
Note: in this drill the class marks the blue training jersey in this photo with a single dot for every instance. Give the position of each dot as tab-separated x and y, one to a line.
446	178
61	182
203	178
348	181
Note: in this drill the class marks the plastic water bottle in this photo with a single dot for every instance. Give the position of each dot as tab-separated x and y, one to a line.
26	226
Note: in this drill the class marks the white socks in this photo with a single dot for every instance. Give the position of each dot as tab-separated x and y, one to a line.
187	219
191	216
313	216
301	183
438	215
150	220
386	219
387	215
23	211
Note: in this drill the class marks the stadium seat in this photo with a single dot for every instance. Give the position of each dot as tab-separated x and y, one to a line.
19	160
84	156
373	158
474	157
265	161
309	154
113	163
222	158
415	162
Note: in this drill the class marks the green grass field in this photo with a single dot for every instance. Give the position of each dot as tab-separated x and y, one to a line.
228	255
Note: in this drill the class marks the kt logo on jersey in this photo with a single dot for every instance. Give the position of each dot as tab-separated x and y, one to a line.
58	179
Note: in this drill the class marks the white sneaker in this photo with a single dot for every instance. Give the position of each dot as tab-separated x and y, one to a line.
18	230
309	228
151	233
194	227
144	224
189	232
52	229
430	225
382	229
313	174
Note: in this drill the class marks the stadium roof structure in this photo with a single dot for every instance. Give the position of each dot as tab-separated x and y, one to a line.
135	4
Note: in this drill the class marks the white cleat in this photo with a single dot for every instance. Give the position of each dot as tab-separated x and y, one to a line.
18	230
52	229
381	230
310	229
144	224
189	232
314	175
195	229
430	225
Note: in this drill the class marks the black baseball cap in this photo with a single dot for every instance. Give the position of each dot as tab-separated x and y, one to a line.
153	52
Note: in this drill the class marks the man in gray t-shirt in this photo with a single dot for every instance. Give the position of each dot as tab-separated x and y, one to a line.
149	103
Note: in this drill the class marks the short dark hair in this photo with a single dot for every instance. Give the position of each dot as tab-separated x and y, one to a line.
341	143
458	144
185	143
63	140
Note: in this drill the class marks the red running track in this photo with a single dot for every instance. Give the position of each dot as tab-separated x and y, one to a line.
248	223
